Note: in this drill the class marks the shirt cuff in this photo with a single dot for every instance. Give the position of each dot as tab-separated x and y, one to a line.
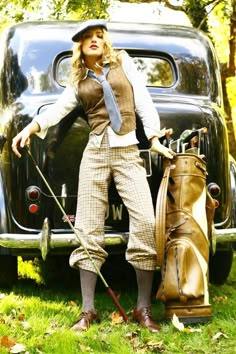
43	131
152	133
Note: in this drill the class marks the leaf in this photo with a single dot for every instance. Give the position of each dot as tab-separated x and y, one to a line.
218	335
220	298
38	351
18	348
53	324
52	329
155	345
72	303
13	313
25	325
21	317
2	296
136	343
177	324
49	332
131	335
7	342
191	330
180	326
116	318
85	348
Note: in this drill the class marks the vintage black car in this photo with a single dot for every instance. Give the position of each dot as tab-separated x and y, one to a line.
182	73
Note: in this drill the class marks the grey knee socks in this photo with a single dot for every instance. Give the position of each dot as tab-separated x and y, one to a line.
144	282
88	282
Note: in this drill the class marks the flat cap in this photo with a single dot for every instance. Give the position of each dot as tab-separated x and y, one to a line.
87	25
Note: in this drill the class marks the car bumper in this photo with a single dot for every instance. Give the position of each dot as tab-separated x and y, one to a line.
225	235
47	240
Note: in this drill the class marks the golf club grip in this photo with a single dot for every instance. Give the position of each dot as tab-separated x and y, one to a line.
116	302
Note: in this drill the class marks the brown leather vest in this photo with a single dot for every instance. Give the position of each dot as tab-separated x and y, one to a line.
91	95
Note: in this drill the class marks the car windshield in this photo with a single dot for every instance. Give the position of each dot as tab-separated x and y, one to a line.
156	71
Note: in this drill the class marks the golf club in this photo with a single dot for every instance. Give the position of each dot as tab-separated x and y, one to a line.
109	290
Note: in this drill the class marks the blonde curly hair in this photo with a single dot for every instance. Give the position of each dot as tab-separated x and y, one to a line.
78	68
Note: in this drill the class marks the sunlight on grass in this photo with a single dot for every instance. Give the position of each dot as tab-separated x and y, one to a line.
40	317
27	269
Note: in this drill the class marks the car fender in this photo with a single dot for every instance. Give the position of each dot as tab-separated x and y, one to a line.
4	210
233	191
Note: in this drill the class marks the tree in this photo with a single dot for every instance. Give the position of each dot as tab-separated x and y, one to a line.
198	13
24	10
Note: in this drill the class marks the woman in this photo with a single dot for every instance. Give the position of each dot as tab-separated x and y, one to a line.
111	152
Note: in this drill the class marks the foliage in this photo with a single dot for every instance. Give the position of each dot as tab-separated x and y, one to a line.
231	84
25	10
36	319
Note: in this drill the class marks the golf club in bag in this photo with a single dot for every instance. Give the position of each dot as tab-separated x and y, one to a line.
109	290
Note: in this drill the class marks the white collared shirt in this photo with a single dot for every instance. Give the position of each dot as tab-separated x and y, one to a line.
144	107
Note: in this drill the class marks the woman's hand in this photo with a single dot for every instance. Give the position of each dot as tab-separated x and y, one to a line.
161	149
23	138
20	140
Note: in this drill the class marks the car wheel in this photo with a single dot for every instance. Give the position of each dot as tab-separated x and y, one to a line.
220	266
8	270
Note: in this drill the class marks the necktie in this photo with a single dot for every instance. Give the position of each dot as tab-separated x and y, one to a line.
109	98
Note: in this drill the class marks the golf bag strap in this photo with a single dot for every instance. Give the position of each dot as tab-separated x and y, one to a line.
160	222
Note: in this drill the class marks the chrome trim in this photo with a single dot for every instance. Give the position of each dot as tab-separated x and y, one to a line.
225	235
47	240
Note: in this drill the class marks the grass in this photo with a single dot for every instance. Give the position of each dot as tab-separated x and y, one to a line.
37	317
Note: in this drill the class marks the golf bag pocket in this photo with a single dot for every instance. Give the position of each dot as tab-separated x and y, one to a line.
182	274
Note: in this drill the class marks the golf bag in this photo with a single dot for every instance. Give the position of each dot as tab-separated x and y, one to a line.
184	217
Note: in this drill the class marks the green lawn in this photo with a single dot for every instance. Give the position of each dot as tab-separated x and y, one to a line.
36	318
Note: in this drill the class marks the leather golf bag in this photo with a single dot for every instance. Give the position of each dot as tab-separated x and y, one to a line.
184	217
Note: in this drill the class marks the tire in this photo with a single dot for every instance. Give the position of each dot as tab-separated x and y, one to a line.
220	266
8	270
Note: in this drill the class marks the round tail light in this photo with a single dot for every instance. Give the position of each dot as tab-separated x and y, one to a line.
214	189
33	193
33	208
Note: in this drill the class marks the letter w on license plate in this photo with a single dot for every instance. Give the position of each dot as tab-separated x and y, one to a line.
116	211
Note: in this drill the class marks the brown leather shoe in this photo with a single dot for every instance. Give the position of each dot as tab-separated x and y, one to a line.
85	320
144	318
